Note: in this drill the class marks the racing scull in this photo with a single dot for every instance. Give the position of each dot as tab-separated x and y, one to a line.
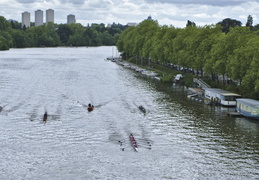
133	142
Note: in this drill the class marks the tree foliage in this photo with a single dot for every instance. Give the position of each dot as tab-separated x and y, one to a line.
12	34
249	22
208	50
228	23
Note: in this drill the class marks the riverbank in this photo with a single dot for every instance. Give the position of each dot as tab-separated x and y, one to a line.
167	72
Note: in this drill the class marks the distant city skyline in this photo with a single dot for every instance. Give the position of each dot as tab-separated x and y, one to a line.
39	14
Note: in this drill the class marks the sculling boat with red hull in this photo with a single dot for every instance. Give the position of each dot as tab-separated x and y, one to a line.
90	108
133	142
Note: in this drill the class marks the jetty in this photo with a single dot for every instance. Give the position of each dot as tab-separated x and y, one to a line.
234	114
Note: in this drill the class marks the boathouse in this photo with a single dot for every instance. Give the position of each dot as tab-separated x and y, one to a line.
214	96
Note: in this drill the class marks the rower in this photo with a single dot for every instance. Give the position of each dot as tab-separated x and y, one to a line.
45	116
90	107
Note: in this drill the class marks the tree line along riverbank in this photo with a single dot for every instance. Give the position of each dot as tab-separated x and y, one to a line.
227	60
13	35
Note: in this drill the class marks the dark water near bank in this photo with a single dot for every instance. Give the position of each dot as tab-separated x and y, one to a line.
189	140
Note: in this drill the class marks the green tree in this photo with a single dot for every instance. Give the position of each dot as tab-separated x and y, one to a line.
145	31
51	30
215	63
99	27
249	22
20	38
6	41
107	39
169	49
228	23
122	40
190	23
76	40
45	40
92	37
16	25
241	56
64	31
157	45
250	83
4	24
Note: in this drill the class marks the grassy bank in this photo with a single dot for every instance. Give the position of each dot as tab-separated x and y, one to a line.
166	74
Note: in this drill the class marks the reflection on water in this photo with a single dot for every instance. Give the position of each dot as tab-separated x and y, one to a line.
189	139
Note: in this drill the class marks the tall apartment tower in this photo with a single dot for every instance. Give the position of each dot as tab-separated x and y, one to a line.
26	19
49	15
38	18
71	19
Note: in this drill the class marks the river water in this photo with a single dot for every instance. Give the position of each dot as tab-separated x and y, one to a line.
189	140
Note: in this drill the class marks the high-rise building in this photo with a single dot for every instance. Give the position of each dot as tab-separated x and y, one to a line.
49	15
71	19
26	19
38	18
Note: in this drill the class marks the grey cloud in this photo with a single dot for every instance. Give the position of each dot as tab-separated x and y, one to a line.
201	2
27	1
76	2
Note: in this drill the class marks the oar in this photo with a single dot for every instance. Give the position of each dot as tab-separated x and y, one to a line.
122	141
142	146
124	147
143	140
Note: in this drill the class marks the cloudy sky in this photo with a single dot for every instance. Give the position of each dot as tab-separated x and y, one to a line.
166	12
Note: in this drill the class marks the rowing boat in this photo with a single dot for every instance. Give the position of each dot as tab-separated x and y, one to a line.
133	142
90	108
45	116
142	109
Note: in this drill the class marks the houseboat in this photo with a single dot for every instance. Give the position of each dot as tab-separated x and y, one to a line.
214	96
248	108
